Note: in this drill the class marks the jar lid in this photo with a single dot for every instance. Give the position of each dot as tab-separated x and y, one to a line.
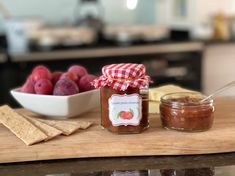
121	76
124	71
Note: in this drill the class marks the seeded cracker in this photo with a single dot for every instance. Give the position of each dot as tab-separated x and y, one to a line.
67	127
50	131
20	126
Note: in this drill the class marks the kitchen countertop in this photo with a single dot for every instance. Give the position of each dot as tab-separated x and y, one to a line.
111	49
108	51
220	164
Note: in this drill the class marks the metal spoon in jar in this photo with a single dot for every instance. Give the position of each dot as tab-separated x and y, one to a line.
226	86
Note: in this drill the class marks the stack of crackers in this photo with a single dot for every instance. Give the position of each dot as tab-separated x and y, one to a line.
33	130
155	95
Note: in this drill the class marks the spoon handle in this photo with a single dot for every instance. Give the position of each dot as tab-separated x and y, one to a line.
226	86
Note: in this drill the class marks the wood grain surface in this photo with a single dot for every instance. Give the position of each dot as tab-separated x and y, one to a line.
98	142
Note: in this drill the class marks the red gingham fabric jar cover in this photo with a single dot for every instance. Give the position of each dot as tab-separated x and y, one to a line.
121	76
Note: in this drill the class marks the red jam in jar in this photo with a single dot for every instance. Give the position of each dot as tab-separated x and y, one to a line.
124	98
185	112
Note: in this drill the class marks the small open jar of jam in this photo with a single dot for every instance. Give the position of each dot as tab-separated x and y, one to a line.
124	97
185	112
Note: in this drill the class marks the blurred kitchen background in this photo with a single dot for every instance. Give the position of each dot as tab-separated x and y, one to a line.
186	42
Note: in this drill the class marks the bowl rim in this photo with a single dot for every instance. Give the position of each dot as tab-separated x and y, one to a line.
17	90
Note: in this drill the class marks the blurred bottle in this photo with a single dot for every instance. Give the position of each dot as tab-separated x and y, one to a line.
221	27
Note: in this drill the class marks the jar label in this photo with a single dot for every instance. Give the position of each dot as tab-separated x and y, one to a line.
125	109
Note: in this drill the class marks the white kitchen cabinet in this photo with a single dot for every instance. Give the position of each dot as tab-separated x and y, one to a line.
218	67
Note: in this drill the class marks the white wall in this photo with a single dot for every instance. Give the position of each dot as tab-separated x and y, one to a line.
63	11
116	12
50	10
218	68
199	11
206	8
166	15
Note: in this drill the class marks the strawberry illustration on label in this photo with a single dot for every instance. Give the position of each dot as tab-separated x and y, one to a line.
127	115
125	110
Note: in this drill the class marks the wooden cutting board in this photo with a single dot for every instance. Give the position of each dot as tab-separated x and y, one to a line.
97	142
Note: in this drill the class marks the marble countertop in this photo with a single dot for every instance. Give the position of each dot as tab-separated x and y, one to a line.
213	164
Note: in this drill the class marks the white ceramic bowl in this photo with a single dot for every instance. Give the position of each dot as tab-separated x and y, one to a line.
58	106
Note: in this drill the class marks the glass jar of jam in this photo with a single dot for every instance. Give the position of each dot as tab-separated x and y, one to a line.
124	98
185	112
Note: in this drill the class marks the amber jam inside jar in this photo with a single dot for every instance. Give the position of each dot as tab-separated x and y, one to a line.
127	118
185	112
